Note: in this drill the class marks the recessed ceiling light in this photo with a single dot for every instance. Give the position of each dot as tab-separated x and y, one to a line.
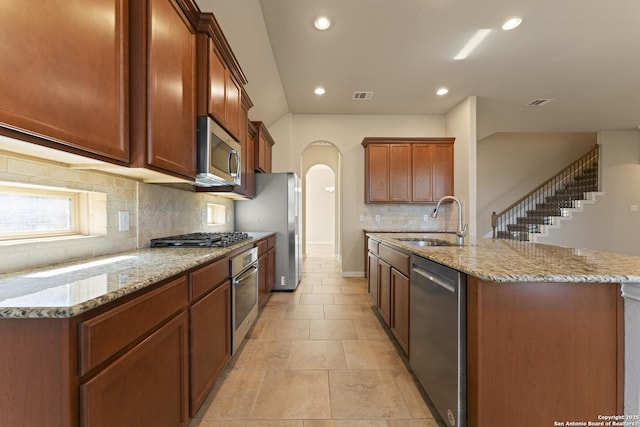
472	43
442	91
322	23
511	23
319	91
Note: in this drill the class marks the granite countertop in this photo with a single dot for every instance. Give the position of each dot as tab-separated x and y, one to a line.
66	290
499	260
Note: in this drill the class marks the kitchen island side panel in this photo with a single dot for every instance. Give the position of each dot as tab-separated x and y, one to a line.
540	353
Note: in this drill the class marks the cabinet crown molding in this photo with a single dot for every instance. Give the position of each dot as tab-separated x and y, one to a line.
208	24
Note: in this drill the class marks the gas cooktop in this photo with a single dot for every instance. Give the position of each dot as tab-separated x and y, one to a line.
196	240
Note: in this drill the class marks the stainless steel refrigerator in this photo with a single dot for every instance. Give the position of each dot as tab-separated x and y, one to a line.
276	207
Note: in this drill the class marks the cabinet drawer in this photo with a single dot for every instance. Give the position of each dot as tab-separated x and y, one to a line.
372	245
110	332
397	259
209	277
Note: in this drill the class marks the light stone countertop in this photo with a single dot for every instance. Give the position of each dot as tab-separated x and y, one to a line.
499	260
69	289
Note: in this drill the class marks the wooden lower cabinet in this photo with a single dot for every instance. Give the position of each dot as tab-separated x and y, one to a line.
210	326
271	268
263	291
384	291
399	324
266	268
372	281
145	387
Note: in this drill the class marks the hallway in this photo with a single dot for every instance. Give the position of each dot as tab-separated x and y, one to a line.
317	357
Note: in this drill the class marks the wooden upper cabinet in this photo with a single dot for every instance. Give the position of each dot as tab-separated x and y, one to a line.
377	173
432	167
64	77
171	87
263	148
217	81
408	170
399	179
219	90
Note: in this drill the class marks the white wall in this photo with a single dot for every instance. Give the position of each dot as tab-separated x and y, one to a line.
512	164
320	205
294	132
461	124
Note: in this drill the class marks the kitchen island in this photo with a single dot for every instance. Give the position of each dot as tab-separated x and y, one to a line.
545	336
146	332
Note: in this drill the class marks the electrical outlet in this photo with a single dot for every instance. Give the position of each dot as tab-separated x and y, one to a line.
425	217
123	221
361	218
377	218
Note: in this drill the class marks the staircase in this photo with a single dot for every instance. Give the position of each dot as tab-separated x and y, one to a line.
553	200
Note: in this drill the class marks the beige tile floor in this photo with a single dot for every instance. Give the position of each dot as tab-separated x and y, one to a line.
317	357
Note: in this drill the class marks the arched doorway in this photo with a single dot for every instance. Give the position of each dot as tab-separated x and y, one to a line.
320	208
322	157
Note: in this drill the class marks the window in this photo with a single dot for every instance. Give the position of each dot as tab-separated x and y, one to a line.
216	214
28	211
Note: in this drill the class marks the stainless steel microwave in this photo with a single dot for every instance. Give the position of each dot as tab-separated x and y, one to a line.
217	157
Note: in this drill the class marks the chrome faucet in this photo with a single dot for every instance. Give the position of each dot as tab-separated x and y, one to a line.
462	231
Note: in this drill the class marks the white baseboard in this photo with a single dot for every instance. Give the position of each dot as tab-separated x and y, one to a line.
353	274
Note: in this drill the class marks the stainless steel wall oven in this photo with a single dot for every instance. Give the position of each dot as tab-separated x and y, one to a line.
244	295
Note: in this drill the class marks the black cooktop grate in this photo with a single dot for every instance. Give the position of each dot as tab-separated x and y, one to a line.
196	240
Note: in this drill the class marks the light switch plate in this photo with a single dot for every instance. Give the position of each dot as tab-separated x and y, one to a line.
123	221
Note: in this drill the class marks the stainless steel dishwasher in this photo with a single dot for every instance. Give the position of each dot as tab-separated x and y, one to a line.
437	338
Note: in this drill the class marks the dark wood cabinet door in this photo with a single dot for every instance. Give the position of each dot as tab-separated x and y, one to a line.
246	147
171	89
249	185
373	277
399	173
400	308
65	70
217	84
232	106
422	162
377	173
442	167
263	293
210	324
271	269
384	291
145	387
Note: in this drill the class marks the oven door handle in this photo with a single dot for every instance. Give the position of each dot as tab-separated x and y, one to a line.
251	271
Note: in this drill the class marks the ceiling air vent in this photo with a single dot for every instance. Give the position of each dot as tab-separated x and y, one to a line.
362	96
540	101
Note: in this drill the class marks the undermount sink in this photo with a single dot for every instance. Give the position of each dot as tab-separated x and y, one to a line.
422	242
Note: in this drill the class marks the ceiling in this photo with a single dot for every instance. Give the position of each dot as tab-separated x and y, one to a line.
584	54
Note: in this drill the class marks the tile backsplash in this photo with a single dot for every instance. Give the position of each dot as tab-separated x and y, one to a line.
154	211
406	217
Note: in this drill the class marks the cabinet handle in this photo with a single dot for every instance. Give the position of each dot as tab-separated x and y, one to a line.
234	153
427	275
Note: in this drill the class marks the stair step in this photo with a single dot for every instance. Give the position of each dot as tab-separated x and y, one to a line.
529	228
542	220
555	205
545	212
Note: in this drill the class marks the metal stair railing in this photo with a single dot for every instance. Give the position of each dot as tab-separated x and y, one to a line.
564	182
